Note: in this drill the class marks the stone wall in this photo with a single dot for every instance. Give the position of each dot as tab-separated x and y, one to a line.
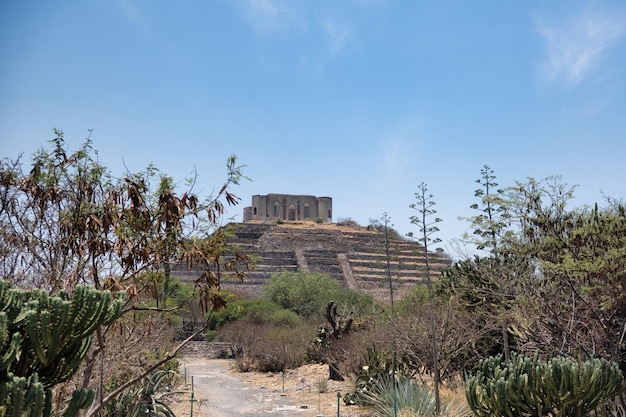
289	207
354	256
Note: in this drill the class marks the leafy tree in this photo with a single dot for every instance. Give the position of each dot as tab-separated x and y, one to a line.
305	293
427	228
308	294
67	221
580	263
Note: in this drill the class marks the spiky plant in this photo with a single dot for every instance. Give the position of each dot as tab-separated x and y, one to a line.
146	399
407	398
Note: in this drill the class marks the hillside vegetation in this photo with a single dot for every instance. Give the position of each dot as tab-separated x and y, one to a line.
546	291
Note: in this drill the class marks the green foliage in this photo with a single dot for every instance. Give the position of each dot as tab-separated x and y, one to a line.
257	311
233	310
43	340
352	303
415	298
284	318
176	292
306	294
469	280
579	262
491	225
318	220
527	386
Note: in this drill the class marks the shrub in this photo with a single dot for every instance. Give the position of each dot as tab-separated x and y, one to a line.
254	310
234	310
284	318
347	221
267	347
461	336
392	233
304	293
318	220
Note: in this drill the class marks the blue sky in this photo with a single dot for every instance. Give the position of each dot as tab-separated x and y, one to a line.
359	100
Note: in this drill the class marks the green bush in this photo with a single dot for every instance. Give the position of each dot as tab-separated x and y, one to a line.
305	293
258	311
354	304
284	318
308	293
234	310
210	335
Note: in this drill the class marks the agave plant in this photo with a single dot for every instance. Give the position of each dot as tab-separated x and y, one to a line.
147	399
406	398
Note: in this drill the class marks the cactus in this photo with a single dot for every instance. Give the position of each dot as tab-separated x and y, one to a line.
526	386
21	396
43	340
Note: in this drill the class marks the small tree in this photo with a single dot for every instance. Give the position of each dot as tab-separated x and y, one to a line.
67	221
427	228
305	293
579	257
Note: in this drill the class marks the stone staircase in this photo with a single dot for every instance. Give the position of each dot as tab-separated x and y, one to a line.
353	256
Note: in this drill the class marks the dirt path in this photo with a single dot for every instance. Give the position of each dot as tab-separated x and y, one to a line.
220	393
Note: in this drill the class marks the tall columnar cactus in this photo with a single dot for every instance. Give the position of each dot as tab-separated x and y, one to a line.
527	386
43	340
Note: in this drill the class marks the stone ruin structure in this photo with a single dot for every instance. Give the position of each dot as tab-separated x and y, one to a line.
289	207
